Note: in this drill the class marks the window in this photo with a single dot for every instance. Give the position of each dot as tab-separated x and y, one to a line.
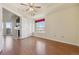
9	25
40	25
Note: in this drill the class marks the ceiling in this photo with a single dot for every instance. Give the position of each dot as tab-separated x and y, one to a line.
44	10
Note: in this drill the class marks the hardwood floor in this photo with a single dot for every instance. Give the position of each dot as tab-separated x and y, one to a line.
37	46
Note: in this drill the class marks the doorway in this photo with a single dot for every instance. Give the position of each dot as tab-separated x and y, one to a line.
11	24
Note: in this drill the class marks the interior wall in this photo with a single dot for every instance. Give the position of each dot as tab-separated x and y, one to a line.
62	25
77	17
1	29
27	27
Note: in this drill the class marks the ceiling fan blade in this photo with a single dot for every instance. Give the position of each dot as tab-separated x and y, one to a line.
37	6
24	4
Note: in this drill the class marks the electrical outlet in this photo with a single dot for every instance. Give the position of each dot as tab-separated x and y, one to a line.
54	35
62	36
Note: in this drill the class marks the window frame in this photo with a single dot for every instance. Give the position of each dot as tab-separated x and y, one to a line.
37	28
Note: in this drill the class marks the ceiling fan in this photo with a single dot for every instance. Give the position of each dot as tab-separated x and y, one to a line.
31	7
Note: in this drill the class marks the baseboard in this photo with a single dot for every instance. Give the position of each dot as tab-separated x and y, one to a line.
24	37
58	41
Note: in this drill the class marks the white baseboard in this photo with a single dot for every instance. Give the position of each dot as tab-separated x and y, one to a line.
58	40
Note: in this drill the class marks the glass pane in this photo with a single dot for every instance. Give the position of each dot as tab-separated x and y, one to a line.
40	27
40	24
8	25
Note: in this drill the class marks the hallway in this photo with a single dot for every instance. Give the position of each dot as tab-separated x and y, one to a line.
37	46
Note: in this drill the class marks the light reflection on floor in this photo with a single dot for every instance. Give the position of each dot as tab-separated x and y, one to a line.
40	47
9	42
1	43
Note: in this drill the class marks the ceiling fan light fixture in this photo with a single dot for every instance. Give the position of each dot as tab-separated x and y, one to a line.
31	9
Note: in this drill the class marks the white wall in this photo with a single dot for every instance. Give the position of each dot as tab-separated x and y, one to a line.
61	25
77	17
1	29
27	27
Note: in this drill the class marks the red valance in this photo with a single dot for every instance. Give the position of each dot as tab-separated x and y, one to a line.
39	20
